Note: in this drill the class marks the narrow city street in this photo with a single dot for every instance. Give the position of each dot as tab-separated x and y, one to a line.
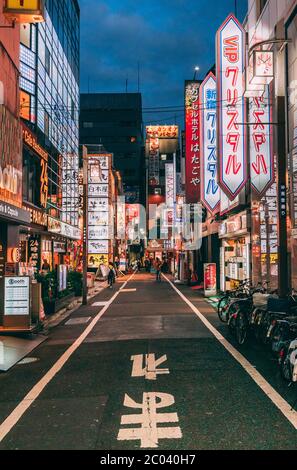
145	365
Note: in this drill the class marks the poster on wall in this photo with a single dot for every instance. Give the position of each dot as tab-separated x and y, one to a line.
230	65
210	279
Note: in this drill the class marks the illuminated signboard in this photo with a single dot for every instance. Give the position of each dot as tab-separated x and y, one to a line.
230	64
261	150
170	191
10	158
30	140
99	187
24	11
162	132
210	191
192	142
154	160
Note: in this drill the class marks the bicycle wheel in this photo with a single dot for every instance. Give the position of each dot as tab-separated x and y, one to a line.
223	306
241	328
286	367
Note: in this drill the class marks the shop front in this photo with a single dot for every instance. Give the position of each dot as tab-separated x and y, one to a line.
235	263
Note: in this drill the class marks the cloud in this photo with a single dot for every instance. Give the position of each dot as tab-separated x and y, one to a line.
167	38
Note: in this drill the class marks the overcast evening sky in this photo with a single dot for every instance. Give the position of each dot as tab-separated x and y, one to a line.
167	37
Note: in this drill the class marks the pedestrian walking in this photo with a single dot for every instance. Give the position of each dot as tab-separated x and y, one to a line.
111	275
158	267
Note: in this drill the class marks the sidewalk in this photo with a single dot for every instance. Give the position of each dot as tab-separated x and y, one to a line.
52	321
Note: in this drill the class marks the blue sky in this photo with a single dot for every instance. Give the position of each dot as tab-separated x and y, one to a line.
167	37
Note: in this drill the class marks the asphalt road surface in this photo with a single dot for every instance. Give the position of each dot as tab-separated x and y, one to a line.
147	367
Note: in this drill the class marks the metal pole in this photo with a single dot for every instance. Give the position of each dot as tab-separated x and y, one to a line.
283	265
85	227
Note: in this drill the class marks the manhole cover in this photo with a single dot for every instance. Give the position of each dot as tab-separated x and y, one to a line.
28	360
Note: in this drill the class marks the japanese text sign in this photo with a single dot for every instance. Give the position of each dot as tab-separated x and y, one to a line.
231	106
210	191
261	151
192	142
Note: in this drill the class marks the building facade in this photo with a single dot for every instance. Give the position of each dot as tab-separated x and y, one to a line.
49	109
115	121
12	215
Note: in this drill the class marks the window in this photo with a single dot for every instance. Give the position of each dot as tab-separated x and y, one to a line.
47	61
260	7
46	123
88	125
129	172
25	105
25	35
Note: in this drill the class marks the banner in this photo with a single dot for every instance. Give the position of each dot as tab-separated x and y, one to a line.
261	143
192	142
210	279
230	63
210	191
154	161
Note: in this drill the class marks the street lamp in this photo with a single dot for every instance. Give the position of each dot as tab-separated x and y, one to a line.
195	71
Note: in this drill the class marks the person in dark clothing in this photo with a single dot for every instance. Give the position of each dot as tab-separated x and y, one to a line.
111	275
158	267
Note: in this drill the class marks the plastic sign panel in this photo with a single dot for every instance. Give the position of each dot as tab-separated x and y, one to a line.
210	191
231	107
153	160
162	132
263	66
192	137
210	279
24	11
261	143
17	295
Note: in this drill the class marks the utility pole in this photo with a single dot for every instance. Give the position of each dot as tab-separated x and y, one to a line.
85	226
283	265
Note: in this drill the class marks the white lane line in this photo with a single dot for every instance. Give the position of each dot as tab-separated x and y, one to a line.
269	391
34	393
129	290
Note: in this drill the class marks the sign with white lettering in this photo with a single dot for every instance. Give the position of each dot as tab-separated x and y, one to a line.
210	191
17	295
261	143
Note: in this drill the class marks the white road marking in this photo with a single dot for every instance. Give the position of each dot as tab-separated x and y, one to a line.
128	290
269	391
99	304
34	393
149	433
146	365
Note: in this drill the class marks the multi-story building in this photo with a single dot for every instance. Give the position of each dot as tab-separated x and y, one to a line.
11	213
49	108
115	121
272	23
